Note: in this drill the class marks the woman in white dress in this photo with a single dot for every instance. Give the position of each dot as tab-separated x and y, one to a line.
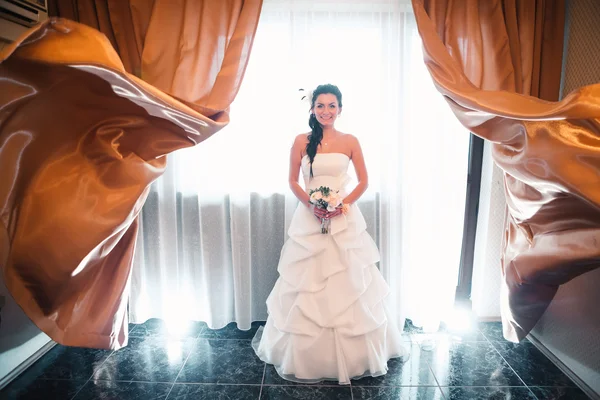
327	314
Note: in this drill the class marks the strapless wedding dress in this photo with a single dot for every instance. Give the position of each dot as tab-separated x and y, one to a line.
327	314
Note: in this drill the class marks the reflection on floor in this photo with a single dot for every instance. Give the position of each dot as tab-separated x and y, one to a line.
201	363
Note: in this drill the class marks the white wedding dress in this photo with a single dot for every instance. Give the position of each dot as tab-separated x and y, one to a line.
327	315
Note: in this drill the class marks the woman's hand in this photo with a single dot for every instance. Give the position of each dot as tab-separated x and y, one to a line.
345	208
338	211
342	209
335	213
319	213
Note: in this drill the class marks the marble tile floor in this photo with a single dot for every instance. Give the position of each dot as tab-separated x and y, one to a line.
200	363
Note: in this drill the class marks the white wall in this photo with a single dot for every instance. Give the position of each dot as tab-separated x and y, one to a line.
487	273
20	339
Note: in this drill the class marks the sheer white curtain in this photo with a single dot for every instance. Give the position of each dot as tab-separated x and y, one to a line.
214	224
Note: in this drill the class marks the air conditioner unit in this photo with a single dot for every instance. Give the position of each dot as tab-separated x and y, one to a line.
16	16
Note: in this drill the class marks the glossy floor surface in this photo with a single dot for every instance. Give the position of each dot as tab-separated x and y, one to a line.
200	363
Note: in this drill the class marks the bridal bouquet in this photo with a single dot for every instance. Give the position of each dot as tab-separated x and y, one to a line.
326	199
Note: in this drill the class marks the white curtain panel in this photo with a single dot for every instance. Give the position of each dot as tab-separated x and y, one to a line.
214	223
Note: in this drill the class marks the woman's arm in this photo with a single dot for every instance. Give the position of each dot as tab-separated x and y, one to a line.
361	172
295	163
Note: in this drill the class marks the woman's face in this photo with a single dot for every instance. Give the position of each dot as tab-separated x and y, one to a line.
326	109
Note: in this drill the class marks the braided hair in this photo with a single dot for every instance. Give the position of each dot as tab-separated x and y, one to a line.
314	139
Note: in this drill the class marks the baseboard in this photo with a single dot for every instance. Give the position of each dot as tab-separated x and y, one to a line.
566	370
489	319
26	364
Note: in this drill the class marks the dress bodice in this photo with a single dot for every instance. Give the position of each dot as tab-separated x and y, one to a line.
329	169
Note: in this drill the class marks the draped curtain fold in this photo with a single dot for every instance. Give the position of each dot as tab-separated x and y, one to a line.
81	140
504	44
172	45
494	61
124	23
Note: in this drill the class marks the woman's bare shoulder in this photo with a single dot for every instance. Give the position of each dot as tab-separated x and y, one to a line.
301	140
300	143
348	136
349	140
303	137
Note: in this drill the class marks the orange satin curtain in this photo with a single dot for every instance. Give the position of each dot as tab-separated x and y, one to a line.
123	22
494	61
81	140
504	44
172	45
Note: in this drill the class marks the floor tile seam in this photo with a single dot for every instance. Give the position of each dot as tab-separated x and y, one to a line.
182	367
507	363
93	373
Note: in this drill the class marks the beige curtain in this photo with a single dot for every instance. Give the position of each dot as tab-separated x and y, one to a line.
495	61
81	139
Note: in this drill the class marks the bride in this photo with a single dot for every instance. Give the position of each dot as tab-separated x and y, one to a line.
327	314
